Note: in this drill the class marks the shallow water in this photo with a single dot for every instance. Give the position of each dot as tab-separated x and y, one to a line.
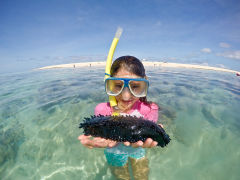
40	112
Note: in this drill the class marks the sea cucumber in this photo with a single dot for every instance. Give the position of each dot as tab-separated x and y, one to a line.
124	128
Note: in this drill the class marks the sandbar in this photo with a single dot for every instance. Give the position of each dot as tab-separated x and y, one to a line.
145	63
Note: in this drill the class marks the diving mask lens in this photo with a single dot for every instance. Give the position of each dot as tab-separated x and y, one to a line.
138	87
114	87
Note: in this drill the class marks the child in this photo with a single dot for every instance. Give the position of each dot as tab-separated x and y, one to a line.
129	84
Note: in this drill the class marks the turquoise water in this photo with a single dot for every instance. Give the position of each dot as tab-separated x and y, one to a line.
40	112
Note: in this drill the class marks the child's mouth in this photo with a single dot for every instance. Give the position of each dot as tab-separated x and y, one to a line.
127	102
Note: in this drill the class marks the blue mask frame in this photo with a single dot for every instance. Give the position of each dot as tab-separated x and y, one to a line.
126	84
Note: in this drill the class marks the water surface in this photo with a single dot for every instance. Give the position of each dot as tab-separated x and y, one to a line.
40	112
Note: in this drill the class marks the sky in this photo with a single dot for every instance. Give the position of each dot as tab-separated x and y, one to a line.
47	32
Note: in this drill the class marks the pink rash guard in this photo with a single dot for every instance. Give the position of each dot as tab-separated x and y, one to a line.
139	109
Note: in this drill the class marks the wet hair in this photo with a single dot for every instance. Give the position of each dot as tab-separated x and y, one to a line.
132	65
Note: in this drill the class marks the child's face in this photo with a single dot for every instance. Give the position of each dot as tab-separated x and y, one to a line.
125	100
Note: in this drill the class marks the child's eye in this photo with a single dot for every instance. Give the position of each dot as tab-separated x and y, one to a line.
135	86
118	86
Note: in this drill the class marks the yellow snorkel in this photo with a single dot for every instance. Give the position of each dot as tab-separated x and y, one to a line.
112	99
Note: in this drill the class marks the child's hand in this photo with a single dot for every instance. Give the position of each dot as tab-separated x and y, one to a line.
160	125
149	143
90	142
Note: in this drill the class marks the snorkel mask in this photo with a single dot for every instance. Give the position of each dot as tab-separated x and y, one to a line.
137	86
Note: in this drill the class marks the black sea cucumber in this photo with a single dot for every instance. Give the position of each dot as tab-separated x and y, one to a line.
124	128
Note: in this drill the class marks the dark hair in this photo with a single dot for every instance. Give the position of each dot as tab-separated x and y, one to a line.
132	65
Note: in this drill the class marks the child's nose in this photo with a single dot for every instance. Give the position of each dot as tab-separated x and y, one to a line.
126	94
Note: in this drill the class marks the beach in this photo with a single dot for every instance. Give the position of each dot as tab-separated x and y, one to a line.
145	63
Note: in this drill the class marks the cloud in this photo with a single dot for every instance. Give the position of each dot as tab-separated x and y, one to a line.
230	54
206	50
224	45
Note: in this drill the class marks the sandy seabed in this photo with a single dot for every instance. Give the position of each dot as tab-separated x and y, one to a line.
160	64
